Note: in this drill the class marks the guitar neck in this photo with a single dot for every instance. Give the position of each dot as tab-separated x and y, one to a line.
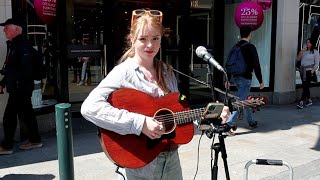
195	114
188	116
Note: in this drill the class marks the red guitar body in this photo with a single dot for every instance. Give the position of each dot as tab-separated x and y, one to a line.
132	151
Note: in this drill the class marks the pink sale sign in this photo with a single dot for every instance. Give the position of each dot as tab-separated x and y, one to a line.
249	13
46	10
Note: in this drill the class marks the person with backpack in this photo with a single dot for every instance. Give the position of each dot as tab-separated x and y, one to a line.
19	72
243	59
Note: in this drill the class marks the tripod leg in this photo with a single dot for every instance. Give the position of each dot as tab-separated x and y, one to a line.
214	169
224	155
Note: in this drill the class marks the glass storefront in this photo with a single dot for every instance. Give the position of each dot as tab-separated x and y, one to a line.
309	27
86	62
94	34
261	38
85	57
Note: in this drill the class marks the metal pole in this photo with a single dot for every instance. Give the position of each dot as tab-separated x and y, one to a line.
64	141
267	162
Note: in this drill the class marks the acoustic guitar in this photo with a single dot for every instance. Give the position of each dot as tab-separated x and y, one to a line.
132	151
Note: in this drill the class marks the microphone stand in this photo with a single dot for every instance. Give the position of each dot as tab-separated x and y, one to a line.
210	73
217	147
208	86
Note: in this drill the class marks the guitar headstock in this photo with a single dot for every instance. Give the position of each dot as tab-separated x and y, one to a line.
253	102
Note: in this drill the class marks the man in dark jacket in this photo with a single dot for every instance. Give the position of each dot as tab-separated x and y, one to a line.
18	81
243	81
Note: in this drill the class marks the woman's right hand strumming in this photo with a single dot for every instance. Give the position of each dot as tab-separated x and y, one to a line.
152	128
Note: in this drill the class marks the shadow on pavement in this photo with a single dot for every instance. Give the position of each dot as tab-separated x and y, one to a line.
317	145
85	141
281	117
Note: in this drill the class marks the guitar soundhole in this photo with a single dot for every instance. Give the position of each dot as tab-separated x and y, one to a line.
166	117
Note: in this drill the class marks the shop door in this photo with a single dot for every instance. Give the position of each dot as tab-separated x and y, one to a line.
200	30
86	67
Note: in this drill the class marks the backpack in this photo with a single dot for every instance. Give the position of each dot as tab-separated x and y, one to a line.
236	64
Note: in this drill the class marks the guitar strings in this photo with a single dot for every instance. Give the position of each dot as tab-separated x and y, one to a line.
185	116
197	113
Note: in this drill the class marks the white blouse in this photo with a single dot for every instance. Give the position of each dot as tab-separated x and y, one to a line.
97	110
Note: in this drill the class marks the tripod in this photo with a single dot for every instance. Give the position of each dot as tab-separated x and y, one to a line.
219	147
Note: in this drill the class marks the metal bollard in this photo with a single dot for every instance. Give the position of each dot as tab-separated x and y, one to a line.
64	141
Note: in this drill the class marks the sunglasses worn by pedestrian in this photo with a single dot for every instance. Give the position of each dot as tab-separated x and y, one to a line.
139	12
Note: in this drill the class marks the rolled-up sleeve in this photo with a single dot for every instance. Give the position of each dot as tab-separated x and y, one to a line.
97	110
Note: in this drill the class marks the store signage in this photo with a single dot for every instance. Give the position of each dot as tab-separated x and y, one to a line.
46	10
249	13
194	3
200	4
90	50
265	4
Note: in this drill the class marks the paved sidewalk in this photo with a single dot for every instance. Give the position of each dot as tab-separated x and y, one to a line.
284	133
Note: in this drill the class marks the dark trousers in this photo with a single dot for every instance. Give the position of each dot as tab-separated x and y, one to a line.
19	106
306	86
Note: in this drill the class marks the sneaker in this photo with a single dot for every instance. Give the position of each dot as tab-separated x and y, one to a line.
81	83
4	151
254	125
29	145
308	103
300	105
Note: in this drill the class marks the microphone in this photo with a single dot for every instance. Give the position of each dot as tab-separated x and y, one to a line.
203	53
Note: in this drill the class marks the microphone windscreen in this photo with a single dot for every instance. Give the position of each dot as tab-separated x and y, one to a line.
201	51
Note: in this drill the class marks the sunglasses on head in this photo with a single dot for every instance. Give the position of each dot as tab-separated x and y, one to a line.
139	12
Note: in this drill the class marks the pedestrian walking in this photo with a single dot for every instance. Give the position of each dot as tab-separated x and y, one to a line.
244	79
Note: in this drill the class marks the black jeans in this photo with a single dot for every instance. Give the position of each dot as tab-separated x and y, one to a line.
306	86
19	105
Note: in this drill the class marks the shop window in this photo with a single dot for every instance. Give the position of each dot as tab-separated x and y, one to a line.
309	28
261	38
200	28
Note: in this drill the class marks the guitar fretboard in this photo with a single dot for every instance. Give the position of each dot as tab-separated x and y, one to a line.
188	116
195	114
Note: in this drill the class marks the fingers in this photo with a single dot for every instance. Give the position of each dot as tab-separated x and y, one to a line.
160	127
227	85
225	114
155	135
157	132
153	129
